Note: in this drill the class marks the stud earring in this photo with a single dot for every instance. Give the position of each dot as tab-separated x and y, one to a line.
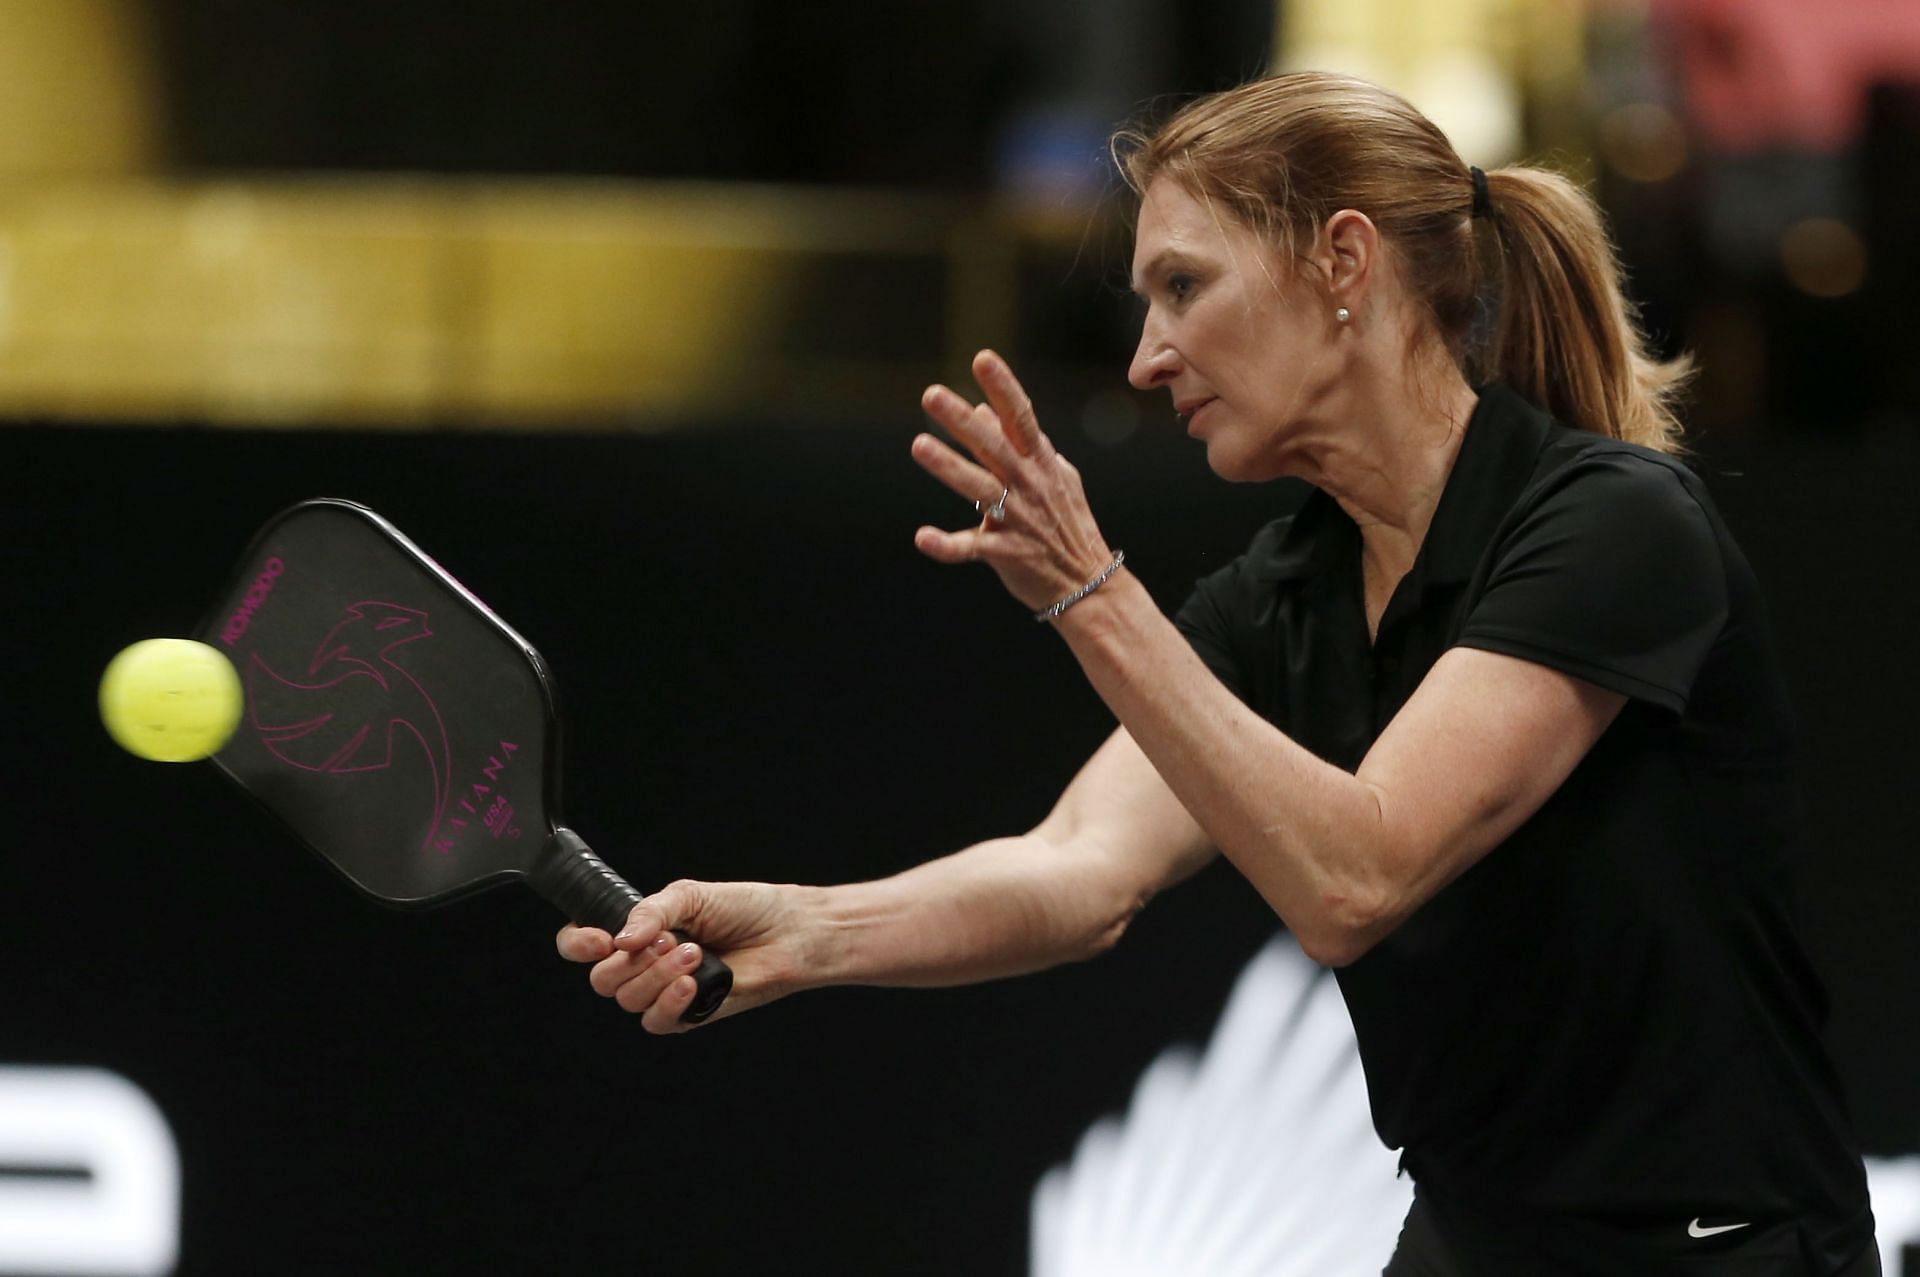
1343	314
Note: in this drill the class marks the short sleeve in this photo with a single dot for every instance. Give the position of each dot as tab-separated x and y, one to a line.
1613	575
1206	620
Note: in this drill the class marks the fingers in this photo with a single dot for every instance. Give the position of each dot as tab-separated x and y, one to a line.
1010	403
664	1016
644	966
583	944
1043	541
1001	433
662	993
645	921
623	966
667	965
655	983
764	931
669	909
650	970
976	426
963	546
968	481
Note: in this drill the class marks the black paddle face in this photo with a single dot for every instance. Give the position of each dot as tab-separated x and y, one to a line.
401	729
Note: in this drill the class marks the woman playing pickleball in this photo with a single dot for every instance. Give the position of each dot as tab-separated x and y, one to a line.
1492	719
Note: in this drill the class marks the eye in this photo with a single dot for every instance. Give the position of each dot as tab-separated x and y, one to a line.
1181	287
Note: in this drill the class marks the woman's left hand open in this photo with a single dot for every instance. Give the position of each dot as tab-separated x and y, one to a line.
1044	543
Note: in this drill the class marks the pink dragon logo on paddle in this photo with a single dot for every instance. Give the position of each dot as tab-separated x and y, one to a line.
349	706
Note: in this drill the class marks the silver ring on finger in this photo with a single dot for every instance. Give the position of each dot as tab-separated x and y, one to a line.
996	512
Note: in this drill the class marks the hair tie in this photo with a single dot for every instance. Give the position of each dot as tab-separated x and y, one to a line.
1482	201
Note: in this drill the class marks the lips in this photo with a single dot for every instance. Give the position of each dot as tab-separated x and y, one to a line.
1192	408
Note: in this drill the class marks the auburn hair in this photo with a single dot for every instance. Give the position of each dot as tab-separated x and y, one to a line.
1539	305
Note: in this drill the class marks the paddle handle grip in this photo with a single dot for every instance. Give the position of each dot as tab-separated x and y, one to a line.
588	891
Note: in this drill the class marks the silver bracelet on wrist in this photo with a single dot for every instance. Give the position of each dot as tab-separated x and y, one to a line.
1053	610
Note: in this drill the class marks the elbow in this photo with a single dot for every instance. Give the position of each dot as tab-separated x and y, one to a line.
1362	900
1334	950
1346	931
1102	929
1106	934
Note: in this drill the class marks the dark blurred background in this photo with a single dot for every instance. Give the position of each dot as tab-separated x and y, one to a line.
622	311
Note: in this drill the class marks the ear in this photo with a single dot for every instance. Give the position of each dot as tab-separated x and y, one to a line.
1348	253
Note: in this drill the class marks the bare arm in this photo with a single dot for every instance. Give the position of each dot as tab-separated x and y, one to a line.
1342	858
1063	892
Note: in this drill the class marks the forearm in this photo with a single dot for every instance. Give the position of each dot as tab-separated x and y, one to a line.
1481	743
1310	837
1000	908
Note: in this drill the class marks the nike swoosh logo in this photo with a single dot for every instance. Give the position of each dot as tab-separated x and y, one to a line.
1694	1229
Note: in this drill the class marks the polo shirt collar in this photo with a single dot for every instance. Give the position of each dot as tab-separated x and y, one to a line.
1313	536
1497	458
1502	445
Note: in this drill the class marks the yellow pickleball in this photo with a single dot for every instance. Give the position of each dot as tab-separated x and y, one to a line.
170	700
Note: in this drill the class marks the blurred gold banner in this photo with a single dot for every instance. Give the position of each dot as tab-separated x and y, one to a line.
410	302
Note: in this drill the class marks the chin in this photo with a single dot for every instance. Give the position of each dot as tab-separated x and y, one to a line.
1237	465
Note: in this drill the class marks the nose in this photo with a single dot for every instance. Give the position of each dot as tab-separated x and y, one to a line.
1155	362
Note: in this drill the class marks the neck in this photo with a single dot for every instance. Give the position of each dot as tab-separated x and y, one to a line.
1388	462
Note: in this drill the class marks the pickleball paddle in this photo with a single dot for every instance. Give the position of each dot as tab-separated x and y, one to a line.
400	728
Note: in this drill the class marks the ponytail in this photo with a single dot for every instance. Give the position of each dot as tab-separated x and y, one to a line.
1565	335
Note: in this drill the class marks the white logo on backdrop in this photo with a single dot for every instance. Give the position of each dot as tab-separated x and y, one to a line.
1256	1157
89	1176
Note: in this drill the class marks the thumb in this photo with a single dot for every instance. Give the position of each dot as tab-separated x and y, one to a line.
665	910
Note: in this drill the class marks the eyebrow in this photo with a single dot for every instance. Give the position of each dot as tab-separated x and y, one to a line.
1153	267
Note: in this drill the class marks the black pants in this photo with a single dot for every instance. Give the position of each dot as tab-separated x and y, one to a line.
1427	1250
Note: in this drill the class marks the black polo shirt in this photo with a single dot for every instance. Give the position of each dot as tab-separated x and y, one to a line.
1604	1036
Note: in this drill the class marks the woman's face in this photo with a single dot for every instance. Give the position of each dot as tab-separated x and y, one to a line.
1247	352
